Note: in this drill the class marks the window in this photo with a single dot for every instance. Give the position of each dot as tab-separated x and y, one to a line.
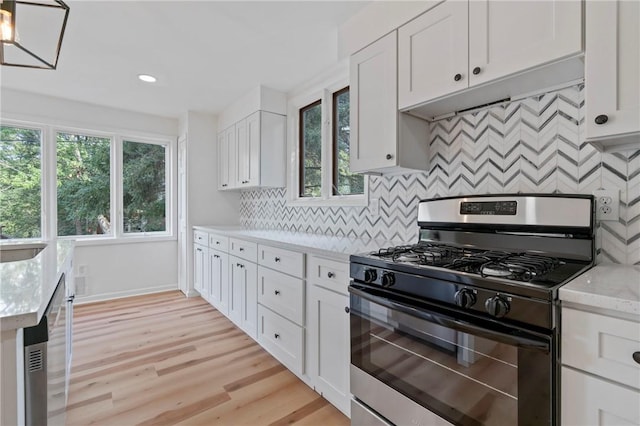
20	182
311	150
83	184
144	187
343	181
319	125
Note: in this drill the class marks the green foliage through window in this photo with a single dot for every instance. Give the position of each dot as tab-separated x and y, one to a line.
143	177
311	150
20	183
83	184
344	182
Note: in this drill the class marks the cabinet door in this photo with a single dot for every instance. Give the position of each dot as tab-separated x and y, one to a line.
252	162
329	331
223	164
374	105
249	298
201	272
612	67
242	154
236	284
219	279
227	160
506	37
432	54
587	400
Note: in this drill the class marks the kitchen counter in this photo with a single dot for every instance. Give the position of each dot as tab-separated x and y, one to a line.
606	286
26	286
337	248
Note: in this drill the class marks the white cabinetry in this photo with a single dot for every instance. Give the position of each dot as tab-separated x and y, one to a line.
281	295
612	70
328	345
383	140
219	280
601	369
459	45
243	294
227	158
201	264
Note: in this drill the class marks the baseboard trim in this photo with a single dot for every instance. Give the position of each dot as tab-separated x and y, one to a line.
79	300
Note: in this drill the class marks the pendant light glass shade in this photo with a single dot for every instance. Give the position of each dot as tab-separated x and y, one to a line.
31	32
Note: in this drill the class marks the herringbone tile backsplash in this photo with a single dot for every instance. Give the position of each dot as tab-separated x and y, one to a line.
533	145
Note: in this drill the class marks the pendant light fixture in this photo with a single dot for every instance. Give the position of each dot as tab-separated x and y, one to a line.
31	32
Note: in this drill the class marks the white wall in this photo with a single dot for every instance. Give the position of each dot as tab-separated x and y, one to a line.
119	270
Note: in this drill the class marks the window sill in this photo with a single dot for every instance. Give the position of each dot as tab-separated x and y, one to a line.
106	241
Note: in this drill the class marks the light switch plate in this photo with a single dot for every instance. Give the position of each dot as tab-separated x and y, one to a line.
607	204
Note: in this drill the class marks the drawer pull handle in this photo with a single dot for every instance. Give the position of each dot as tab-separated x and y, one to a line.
277	292
277	336
277	259
217	242
241	249
331	274
476	70
216	256
346	309
601	119
636	357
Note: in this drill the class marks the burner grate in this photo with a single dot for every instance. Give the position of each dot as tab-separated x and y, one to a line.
422	253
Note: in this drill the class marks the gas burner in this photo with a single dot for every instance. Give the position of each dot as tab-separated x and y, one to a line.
519	267
421	253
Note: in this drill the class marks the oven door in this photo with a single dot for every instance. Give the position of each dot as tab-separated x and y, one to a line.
408	355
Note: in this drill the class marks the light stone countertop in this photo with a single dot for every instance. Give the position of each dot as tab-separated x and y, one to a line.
26	286
606	286
337	248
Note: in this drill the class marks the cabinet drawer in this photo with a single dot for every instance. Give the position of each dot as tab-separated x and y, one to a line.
219	242
244	249
287	261
281	293
601	345
201	237
329	273
282	338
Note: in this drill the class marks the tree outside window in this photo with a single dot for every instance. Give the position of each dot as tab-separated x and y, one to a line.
311	150
20	182
344	182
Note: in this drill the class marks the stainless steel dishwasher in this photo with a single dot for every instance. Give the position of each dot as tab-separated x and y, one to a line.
45	347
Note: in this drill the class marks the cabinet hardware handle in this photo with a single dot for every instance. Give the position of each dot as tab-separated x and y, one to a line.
476	70
636	356
457	77
277	292
346	309
224	185
217	242
331	274
277	259
601	119
276	335
389	156
241	249
216	256
238	265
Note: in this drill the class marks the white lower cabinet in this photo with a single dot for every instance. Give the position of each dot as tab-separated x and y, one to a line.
219	280
200	270
328	331
243	294
282	338
600	369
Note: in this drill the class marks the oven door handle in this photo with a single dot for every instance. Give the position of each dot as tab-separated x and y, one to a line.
533	342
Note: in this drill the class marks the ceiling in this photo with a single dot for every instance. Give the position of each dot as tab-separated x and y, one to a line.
205	54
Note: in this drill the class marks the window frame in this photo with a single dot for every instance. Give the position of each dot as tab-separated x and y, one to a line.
323	89
48	183
301	168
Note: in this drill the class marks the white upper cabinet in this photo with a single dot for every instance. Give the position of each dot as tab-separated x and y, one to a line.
227	158
485	51
612	70
382	139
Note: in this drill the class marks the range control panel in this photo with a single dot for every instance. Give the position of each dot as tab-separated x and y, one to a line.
494	208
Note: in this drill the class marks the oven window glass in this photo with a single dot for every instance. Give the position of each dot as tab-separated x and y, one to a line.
464	378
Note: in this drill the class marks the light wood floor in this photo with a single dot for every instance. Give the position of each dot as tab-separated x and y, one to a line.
163	359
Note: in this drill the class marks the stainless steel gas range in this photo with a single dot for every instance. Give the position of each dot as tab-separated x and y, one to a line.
463	327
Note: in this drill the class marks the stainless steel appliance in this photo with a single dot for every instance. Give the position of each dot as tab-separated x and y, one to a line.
45	362
462	327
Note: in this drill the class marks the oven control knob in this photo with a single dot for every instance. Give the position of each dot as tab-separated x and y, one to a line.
387	279
465	298
497	306
370	275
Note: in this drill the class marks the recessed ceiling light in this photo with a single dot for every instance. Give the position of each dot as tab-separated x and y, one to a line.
147	78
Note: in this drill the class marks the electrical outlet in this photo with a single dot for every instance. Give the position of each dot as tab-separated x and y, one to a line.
80	286
374	207
607	204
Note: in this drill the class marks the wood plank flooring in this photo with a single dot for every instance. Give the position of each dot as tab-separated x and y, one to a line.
163	359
